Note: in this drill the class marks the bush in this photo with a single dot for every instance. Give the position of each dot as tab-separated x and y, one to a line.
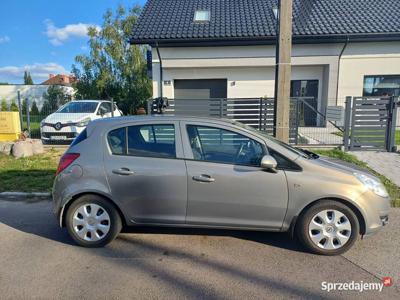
14	106
34	109
4	106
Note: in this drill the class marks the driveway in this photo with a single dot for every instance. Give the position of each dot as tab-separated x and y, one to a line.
38	260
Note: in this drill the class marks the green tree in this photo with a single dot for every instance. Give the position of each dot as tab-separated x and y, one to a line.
34	109
27	78
4	105
54	98
24	106
14	106
114	69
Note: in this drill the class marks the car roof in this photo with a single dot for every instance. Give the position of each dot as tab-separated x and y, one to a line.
146	118
89	100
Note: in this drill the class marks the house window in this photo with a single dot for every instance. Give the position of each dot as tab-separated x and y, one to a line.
202	15
381	85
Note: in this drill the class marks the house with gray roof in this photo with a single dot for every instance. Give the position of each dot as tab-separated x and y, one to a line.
226	48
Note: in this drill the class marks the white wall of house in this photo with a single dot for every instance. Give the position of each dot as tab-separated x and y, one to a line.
33	92
243	82
363	59
250	69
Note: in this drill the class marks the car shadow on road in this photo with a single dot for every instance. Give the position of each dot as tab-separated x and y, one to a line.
186	284
36	218
33	216
275	239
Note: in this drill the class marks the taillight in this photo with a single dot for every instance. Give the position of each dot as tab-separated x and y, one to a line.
66	160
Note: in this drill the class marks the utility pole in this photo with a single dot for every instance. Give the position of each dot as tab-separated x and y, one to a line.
283	70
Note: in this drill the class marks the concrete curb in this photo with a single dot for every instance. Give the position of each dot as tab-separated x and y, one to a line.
24	195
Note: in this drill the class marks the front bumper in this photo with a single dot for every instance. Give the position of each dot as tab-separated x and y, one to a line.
65	134
375	210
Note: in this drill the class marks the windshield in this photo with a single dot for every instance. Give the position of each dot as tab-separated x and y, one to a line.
280	143
78	107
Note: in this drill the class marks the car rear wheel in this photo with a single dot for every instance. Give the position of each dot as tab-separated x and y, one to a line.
93	221
328	228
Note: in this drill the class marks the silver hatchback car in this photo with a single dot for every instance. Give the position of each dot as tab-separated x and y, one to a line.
202	172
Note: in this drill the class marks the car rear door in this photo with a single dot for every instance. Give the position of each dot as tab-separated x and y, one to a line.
228	188
145	173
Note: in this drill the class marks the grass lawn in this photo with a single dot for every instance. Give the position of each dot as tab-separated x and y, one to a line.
30	174
397	138
393	190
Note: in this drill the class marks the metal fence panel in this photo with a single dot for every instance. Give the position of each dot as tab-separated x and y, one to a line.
373	123
256	112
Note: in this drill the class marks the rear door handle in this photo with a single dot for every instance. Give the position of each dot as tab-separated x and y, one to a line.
203	178
123	171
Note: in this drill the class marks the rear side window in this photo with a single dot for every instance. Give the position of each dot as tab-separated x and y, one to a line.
152	140
117	141
81	137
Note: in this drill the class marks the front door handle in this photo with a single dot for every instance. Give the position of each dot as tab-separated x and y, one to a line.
204	178
123	171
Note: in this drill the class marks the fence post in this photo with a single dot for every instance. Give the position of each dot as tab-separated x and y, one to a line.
296	123
150	106
28	117
391	138
347	116
221	102
20	109
112	107
260	114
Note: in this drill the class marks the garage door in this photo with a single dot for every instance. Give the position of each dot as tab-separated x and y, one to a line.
200	88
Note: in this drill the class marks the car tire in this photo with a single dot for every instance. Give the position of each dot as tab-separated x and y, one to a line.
93	221
328	228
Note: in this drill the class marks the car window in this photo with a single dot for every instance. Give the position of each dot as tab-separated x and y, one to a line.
117	141
283	162
269	137
152	141
78	107
223	146
104	108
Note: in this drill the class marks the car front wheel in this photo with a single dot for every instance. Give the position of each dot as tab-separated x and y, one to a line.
93	221
328	228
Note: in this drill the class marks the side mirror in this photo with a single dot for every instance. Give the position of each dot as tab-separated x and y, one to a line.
268	163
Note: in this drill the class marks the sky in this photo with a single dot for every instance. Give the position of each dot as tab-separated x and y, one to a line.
43	36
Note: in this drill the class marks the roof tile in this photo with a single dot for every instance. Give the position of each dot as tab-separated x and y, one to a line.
173	19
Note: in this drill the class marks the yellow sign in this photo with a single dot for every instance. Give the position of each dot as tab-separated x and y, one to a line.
10	128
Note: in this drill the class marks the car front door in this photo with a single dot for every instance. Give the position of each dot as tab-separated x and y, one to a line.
226	186
144	173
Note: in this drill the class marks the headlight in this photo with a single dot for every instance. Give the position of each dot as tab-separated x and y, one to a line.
374	185
42	123
83	123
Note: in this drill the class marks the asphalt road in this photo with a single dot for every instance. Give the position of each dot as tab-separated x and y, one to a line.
38	260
